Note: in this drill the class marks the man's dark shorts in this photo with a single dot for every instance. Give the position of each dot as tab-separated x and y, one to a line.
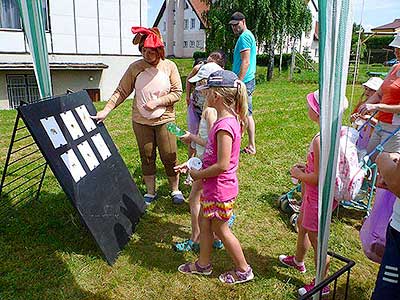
387	284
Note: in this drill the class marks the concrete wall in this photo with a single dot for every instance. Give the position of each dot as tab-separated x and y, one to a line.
107	79
81	31
85	27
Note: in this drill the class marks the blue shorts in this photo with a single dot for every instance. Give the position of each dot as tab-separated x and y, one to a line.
250	86
387	284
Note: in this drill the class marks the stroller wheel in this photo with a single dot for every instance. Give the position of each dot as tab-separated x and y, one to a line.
285	206
293	222
280	200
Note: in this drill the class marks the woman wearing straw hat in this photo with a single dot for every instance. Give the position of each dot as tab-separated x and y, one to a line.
157	85
387	102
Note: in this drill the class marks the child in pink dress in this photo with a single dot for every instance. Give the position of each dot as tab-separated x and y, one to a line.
228	95
308	219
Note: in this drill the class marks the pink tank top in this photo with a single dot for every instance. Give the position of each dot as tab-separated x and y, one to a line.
311	190
149	85
225	186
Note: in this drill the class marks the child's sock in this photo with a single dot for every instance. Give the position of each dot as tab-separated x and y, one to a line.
299	263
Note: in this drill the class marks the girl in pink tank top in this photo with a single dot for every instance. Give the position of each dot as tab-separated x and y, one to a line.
308	219
228	95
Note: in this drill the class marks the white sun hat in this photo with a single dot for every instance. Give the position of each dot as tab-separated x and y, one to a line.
396	42
374	83
205	71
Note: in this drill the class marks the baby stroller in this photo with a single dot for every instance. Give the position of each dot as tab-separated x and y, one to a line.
355	180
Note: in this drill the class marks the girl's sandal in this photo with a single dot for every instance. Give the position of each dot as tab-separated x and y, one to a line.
195	268
236	276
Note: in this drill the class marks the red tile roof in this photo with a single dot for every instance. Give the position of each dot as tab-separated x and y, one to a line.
390	26
199	7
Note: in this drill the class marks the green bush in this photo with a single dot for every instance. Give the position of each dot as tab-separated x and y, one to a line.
199	54
262	60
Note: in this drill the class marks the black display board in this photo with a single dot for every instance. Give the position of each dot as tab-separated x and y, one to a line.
88	167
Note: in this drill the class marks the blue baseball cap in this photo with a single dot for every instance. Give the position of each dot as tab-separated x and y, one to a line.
220	78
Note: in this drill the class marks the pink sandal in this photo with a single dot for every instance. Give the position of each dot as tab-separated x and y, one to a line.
188	268
236	276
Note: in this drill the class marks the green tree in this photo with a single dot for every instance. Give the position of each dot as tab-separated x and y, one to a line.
269	20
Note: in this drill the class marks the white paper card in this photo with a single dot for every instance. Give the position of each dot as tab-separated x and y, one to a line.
53	131
85	117
101	146
73	165
88	155
71	124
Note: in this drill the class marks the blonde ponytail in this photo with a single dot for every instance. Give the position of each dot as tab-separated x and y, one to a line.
236	99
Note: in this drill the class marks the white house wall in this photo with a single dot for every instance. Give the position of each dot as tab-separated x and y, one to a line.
190	34
81	31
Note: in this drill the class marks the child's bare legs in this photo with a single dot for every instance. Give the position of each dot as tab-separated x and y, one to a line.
313	236
194	203
303	241
231	244
206	240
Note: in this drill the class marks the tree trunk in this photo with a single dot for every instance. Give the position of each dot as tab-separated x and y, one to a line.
280	57
292	63
271	54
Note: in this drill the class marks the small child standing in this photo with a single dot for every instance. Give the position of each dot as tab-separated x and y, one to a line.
308	219
208	117
195	100
370	87
228	96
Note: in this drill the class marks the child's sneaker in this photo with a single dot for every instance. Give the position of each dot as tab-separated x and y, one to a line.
217	244
185	246
231	220
289	261
308	287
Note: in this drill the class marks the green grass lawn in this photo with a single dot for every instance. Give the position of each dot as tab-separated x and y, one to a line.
46	253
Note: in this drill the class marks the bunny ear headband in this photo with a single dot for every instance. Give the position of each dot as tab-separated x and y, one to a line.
152	40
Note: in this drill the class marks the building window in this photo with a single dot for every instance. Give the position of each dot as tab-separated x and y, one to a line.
165	26
21	88
10	17
192	23
185	44
185	24
191	44
199	44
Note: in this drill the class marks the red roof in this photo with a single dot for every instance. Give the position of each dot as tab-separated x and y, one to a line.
391	26
199	7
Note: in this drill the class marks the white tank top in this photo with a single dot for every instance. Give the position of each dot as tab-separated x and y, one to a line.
395	223
203	133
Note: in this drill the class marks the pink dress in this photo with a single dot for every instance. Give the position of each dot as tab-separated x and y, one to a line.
309	205
220	192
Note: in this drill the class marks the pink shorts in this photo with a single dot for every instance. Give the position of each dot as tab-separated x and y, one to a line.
309	209
221	210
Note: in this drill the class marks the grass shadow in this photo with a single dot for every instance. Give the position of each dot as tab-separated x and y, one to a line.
153	248
34	238
271	199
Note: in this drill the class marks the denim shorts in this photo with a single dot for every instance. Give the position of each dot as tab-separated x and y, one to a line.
250	86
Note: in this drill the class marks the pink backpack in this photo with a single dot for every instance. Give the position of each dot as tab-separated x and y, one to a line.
349	174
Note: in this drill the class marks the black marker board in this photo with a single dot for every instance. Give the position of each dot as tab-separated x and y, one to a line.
88	167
